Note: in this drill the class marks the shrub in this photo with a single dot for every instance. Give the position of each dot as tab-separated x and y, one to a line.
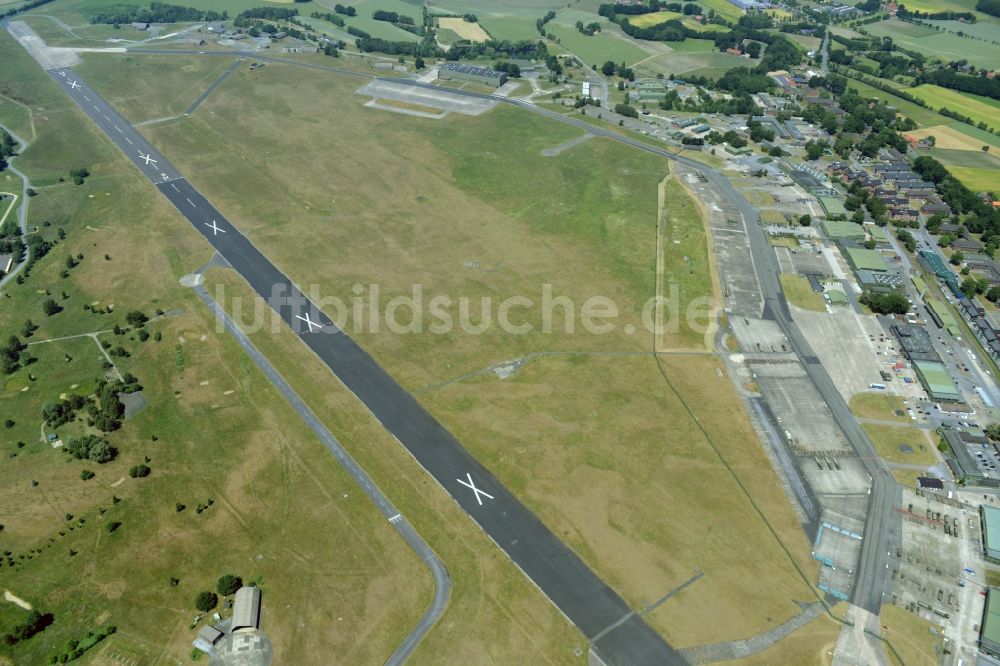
139	471
86	474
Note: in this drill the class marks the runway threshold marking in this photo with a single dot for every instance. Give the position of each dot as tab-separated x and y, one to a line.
395	519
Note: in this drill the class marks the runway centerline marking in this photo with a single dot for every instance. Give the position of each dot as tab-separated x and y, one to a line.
477	491
191	202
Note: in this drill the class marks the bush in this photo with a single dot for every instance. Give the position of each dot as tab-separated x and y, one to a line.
86	474
228	584
206	601
113	526
139	471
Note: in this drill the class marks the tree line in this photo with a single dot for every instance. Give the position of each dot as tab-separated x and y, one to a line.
158	12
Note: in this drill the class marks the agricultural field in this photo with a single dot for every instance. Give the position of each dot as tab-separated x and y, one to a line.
988	29
692	56
654	18
598	48
955	137
509	28
937	44
464	29
723	8
980	109
586	231
978	179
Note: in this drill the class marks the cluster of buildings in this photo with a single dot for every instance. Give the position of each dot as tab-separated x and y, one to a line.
244	624
904	193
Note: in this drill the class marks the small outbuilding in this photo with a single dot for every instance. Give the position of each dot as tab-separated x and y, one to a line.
207	638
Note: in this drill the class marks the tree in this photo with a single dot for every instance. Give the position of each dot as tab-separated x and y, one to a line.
891	303
418	62
993	294
228	584
206	601
50	307
957	258
993	431
972	286
86	474
136	318
113	526
805	220
608	68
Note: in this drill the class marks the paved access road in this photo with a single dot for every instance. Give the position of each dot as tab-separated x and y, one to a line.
561	575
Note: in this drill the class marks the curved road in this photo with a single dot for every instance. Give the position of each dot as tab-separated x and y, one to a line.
22	209
442	582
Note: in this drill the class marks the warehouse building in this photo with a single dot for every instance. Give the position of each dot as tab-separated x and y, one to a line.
989	631
862	259
963	465
935	380
915	342
246	609
833	207
840	230
454	71
989	521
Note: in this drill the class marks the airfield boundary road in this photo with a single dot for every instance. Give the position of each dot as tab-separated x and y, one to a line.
558	572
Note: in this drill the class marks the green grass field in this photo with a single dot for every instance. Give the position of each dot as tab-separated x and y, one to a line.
654	18
888	440
799	293
880	406
978	179
937	44
584	222
598	48
724	8
980	109
509	28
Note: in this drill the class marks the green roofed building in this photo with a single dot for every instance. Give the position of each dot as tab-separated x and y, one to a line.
989	520
942	316
862	259
936	381
878	233
838	229
833	207
989	630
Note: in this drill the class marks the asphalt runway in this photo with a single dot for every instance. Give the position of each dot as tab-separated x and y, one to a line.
562	576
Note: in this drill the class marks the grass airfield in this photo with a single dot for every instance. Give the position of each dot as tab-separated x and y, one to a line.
469	206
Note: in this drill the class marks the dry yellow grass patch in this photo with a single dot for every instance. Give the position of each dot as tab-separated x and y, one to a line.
470	31
947	137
